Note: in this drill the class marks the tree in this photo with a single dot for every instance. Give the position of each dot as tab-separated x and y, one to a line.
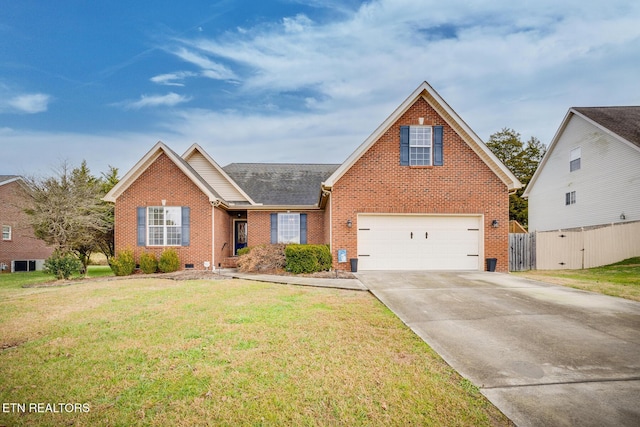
67	210
522	159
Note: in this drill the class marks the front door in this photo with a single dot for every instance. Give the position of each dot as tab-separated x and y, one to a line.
239	235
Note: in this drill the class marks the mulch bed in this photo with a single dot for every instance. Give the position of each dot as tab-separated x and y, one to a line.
190	275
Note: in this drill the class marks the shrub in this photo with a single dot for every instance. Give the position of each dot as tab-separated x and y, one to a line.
308	258
169	261
244	251
148	263
262	258
62	264
123	263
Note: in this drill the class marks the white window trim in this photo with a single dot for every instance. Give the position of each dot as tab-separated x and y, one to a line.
167	229
426	144
6	229
575	161
570	196
288	228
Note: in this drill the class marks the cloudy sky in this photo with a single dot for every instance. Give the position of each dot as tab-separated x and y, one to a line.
293	80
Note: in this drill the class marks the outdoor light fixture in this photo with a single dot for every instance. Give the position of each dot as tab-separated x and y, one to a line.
623	216
349	223
494	223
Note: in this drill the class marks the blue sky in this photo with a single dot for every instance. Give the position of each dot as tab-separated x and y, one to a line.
292	81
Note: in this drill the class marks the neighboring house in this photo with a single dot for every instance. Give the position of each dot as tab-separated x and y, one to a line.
20	250
422	192
590	174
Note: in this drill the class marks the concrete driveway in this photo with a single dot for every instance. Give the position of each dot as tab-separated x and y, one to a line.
545	355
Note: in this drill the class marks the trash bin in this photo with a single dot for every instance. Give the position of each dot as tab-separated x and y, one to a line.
354	265
491	264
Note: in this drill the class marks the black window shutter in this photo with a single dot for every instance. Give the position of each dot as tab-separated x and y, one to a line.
274	228
404	145
186	226
438	158
142	226
303	228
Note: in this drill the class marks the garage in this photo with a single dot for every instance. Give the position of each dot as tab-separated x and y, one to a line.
419	242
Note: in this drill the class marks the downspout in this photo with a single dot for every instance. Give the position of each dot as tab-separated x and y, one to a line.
325	197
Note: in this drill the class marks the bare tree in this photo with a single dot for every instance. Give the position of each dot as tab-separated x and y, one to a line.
67	210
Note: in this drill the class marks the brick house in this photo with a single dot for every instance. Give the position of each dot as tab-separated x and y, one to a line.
422	192
20	249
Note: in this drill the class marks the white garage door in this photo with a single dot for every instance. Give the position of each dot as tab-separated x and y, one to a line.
419	242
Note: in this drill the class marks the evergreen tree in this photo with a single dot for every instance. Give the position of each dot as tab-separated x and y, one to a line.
522	159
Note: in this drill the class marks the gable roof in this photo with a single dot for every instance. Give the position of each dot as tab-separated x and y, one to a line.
146	161
7	179
451	117
217	175
281	183
623	123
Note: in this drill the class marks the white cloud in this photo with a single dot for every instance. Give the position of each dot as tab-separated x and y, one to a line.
168	100
311	90
30	103
172	79
210	69
500	60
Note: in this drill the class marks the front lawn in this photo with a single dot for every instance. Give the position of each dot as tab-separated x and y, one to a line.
22	279
621	279
152	351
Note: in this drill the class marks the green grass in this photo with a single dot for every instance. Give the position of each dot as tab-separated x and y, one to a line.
25	279
157	352
621	279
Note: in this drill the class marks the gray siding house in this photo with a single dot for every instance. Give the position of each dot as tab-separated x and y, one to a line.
590	174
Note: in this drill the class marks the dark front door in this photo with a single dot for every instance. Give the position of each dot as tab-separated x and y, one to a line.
240	235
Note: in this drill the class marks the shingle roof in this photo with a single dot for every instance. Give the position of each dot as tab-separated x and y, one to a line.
281	183
623	121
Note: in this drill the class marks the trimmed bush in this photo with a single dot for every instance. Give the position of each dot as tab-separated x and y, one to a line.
244	251
62	265
262	258
123	263
148	263
307	258
169	261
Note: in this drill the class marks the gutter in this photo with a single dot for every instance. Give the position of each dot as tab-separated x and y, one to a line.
325	192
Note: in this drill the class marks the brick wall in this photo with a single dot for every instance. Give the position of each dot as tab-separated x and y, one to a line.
259	227
163	180
223	232
23	244
378	184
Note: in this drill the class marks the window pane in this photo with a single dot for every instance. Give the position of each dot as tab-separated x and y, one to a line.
576	153
420	156
420	136
574	165
6	232
156	216
288	228
173	216
174	236
156	236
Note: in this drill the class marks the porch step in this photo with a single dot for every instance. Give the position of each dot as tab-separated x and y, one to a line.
230	262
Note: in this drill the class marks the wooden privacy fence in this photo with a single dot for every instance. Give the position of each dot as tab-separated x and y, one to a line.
574	249
522	251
